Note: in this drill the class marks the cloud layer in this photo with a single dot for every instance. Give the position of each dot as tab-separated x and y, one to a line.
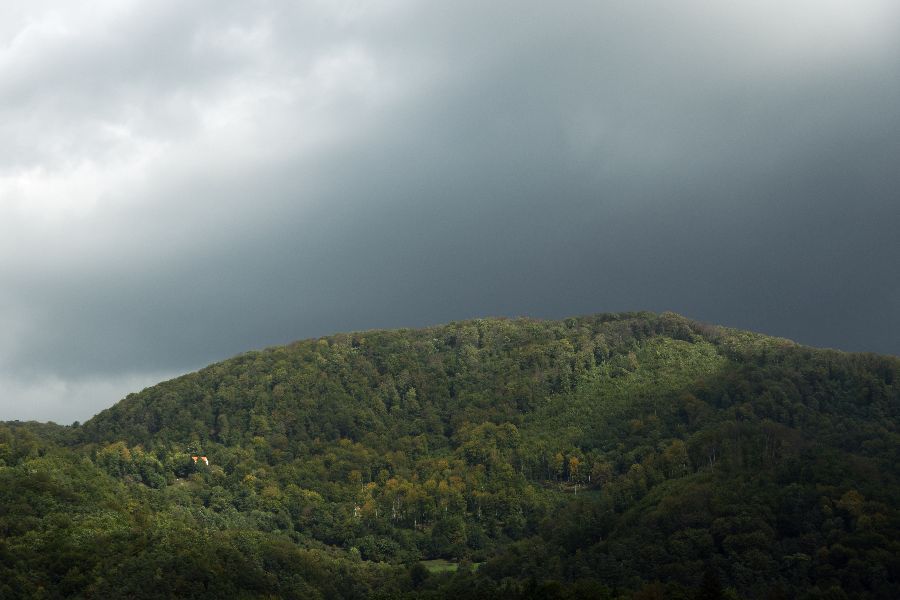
182	182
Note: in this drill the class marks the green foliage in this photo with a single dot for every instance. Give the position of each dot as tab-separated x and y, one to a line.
631	455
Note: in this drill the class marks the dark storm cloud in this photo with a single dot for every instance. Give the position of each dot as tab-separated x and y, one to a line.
183	184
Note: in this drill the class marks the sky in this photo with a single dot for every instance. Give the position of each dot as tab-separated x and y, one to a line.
184	181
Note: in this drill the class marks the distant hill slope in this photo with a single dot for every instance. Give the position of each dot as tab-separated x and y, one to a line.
597	456
382	380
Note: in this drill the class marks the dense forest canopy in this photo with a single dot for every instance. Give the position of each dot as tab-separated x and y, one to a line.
611	456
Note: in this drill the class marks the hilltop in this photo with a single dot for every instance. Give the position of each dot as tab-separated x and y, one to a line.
612	455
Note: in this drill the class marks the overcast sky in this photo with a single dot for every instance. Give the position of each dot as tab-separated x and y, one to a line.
184	181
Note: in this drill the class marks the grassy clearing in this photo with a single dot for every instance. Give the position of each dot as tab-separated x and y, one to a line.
440	565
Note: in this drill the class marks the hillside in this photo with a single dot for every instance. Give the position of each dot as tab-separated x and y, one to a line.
616	455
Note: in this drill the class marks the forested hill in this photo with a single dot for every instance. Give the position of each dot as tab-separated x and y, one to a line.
427	382
617	455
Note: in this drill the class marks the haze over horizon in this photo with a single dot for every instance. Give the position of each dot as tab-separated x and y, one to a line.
181	182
